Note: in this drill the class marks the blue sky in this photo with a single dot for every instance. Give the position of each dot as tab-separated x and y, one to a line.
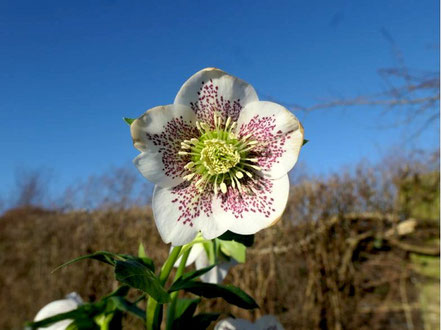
70	70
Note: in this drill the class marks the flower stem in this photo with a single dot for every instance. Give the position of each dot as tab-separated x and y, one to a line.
174	295
154	310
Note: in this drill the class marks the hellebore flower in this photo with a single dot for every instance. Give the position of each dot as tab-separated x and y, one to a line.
198	255
219	158
72	301
266	322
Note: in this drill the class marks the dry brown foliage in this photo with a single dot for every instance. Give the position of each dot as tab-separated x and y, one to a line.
336	261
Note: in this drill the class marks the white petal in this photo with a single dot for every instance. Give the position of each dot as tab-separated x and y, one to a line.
182	211
218	273
212	90
171	216
184	208
268	322
252	212
234	324
54	308
279	133
159	133
196	251
213	227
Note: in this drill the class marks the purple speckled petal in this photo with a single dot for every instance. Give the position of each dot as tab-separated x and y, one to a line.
279	133
212	90
254	212
162	130
180	212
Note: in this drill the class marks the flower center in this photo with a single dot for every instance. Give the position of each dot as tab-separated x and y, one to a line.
219	157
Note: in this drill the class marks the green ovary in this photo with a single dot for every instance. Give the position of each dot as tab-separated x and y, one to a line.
219	156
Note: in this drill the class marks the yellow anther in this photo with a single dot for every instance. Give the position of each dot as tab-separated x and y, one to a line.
227	123
223	187
189	165
185	146
248	173
189	177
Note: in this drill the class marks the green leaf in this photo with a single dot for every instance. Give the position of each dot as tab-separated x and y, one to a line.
184	311
83	324
143	256
145	261
305	142
103	256
233	249
202	321
129	121
185	308
231	294
141	251
122	291
247	240
190	276
139	276
126	306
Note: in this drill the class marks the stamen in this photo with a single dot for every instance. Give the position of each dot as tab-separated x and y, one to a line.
239	187
215	186
246	149
258	168
189	165
233	184
246	137
219	157
248	173
200	181
189	177
185	146
227	123
223	187
205	127
185	153
239	175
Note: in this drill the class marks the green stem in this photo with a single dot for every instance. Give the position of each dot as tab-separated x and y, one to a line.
154	310
174	295
169	263
103	321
